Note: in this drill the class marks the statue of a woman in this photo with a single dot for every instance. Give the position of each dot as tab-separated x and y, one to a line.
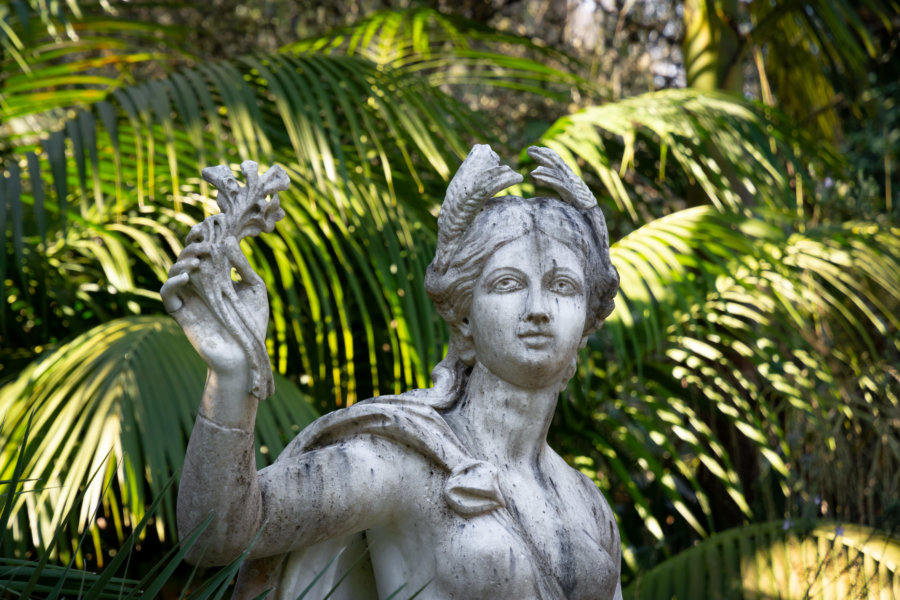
451	492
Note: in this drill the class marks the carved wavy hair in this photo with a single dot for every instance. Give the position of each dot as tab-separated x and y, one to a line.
452	276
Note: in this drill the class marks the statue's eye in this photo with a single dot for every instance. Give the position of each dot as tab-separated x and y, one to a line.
506	283
564	286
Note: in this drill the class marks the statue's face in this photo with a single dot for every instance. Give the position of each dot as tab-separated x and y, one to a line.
528	311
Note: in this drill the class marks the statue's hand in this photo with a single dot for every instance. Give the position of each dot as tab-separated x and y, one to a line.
482	175
555	174
202	297
225	319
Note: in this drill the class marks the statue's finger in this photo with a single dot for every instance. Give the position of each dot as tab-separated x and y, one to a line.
183	265
169	292
195	250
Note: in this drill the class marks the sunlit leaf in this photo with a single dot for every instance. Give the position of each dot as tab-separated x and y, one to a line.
120	400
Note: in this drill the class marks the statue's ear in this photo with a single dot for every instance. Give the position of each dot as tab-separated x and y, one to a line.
569	373
461	339
464	328
584	341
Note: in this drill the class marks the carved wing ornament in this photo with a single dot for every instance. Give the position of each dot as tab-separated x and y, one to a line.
476	181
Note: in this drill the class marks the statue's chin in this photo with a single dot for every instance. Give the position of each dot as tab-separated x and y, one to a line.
532	375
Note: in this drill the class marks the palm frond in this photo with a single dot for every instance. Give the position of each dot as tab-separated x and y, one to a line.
779	559
744	333
708	363
70	58
449	50
120	401
738	153
325	119
817	54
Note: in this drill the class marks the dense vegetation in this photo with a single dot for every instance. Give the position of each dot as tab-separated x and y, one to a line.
749	375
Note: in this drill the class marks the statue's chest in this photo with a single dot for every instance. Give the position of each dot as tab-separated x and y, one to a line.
556	520
540	545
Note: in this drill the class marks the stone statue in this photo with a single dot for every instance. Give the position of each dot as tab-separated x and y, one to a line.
448	492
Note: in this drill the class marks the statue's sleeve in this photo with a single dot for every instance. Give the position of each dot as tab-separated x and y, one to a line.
218	479
329	492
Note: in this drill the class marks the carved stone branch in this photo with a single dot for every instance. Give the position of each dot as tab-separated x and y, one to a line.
245	212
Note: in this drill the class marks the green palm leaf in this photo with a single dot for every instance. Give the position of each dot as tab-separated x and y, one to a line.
118	400
744	330
815	54
735	151
73	56
779	559
449	50
354	172
105	200
109	197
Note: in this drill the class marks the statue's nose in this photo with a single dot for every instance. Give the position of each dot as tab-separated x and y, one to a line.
536	310
538	318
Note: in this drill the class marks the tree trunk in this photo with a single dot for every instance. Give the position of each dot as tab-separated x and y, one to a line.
711	45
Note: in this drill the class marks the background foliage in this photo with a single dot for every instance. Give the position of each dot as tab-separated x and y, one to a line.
748	374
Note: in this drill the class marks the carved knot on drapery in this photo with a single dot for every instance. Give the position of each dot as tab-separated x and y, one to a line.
473	488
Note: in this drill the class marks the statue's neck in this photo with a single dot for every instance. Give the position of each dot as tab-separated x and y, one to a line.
501	422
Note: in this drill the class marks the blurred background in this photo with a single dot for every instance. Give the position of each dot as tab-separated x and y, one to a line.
740	409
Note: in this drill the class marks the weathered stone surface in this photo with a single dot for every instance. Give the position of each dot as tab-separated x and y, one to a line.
452	489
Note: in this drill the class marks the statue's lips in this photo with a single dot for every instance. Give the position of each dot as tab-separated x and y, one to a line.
535	338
